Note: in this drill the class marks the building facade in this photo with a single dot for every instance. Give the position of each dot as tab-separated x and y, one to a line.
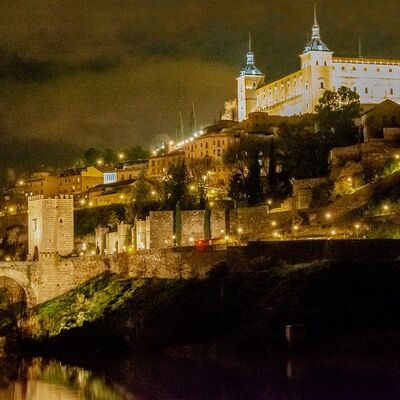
375	80
41	183
78	181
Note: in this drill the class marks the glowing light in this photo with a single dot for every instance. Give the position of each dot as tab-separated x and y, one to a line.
8	259
397	156
192	187
386	207
99	162
82	201
21	183
333	232
90	203
93	253
153	193
273	223
349	179
211	203
191	239
121	196
269	202
222	231
296	227
84	246
276	234
226	237
240	230
357	226
328	215
81	253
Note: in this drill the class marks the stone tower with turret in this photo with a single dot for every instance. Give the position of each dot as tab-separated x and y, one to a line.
316	65
248	81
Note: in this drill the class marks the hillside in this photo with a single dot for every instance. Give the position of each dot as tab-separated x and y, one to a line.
241	312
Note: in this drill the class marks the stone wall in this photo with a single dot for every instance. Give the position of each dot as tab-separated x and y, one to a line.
257	223
161	224
52	275
218	223
192	227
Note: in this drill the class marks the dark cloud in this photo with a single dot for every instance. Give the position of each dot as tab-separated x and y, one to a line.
75	74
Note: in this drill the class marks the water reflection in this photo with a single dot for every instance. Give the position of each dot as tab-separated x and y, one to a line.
39	379
161	378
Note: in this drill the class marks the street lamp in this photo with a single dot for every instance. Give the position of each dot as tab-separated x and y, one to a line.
357	226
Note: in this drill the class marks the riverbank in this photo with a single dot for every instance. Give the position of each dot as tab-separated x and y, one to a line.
345	306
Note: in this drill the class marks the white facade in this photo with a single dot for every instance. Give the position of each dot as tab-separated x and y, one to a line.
375	80
50	225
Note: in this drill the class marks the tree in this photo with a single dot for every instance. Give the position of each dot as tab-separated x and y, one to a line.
137	153
91	156
110	156
141	196
113	220
236	188
175	187
249	157
207	223
199	169
336	112
178	224
301	152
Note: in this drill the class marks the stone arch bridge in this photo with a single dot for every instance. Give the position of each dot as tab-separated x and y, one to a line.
52	275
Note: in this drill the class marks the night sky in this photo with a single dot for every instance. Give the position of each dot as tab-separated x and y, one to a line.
102	73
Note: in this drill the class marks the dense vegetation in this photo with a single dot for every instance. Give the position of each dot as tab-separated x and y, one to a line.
230	311
88	219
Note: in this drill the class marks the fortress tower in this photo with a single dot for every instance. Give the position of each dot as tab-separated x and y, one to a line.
316	66
248	81
50	225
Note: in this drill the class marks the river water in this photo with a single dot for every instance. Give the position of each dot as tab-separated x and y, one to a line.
308	378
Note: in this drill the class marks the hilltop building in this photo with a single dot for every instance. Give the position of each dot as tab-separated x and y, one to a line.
78	181
375	80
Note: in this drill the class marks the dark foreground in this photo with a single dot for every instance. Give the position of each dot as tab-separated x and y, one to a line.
161	378
222	337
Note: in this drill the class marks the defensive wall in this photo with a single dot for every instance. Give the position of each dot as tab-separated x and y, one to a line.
52	276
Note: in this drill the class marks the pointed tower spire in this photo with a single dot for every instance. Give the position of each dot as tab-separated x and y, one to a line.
250	68
315	13
315	44
179	136
193	125
315	29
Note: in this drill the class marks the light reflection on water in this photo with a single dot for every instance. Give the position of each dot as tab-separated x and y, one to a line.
159	378
38	379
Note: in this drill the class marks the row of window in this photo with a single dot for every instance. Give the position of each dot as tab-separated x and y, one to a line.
378	69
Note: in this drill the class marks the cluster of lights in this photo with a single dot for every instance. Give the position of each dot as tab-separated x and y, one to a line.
180	144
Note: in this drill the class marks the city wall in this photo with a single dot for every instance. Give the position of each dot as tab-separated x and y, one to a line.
52	276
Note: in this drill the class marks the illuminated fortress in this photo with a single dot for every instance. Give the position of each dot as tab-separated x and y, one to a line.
375	80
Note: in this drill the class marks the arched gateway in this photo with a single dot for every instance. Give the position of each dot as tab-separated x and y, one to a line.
20	275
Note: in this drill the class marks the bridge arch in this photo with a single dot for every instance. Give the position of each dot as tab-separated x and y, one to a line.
22	279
